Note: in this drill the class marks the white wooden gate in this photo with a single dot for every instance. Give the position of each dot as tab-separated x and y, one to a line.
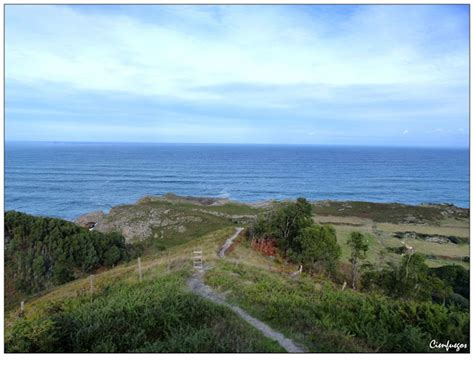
197	259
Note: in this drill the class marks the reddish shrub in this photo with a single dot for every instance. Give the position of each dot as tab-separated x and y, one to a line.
265	246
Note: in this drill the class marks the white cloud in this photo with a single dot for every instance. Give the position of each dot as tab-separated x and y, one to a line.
270	71
376	45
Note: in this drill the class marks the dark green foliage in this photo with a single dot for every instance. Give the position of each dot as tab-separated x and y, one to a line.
154	316
41	252
287	222
112	256
319	249
455	276
409	280
62	273
261	228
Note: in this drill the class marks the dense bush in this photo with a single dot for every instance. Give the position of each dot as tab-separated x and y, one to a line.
40	252
455	276
154	316
411	279
319	248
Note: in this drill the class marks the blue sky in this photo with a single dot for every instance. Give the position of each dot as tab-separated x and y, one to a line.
348	75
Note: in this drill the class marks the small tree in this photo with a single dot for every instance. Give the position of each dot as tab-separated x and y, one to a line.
288	221
320	250
359	249
260	229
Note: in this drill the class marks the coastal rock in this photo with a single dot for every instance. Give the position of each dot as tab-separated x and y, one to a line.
90	218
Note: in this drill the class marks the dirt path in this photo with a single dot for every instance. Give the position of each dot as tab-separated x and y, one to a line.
228	242
196	285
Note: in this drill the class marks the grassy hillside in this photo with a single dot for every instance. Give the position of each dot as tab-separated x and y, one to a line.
326	319
157	315
124	315
160	314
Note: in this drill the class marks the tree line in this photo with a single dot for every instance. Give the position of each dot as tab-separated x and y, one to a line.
41	252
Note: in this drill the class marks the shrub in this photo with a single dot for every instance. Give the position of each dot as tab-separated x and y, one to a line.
320	251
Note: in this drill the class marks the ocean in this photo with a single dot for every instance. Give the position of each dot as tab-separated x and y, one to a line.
69	179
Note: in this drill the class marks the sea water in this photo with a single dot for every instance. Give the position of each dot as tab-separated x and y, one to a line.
68	179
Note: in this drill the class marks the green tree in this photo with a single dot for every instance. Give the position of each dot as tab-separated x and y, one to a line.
359	249
62	273
320	250
288	221
261	228
112	256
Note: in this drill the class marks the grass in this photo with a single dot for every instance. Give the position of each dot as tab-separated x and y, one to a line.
157	315
460	230
231	208
381	240
326	319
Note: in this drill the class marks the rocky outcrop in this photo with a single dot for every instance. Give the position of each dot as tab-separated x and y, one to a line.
158	217
87	220
137	223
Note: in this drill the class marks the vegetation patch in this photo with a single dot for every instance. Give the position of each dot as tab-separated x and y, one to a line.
389	213
44	252
329	320
156	315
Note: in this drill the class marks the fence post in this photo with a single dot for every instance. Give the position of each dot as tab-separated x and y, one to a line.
140	268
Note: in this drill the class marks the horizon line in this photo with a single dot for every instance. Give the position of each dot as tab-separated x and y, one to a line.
239	143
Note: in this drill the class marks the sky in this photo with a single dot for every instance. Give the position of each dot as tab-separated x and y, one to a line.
380	75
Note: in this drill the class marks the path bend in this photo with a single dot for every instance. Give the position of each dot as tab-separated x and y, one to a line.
197	286
228	242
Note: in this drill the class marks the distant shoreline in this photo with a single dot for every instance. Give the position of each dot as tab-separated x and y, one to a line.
217	201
